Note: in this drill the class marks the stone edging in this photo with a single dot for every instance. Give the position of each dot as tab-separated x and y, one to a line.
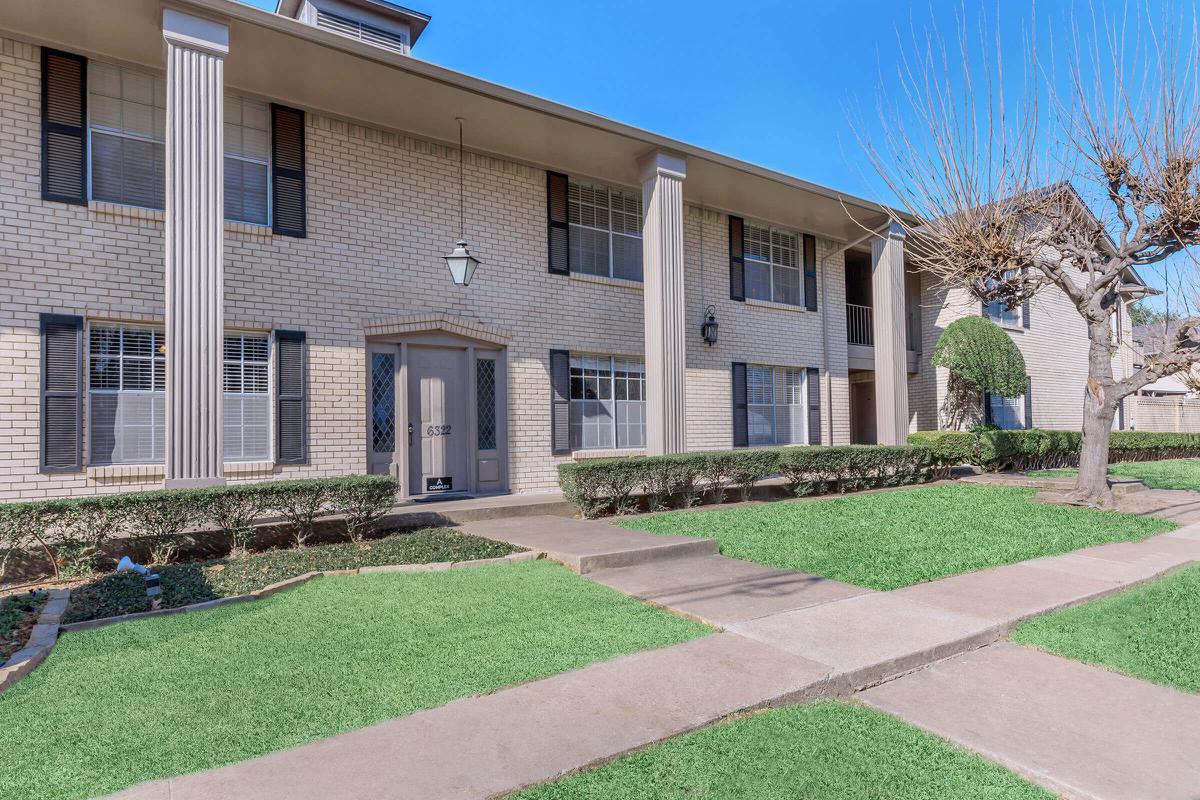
46	632
41	639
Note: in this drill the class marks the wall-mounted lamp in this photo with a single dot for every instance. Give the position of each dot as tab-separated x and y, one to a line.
708	328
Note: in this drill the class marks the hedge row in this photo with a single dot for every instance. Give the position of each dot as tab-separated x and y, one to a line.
1046	449
614	485
71	533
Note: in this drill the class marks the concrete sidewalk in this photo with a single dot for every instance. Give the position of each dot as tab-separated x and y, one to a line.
789	637
1080	731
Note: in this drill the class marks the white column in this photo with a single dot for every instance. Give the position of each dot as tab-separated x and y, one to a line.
891	367
665	326
195	307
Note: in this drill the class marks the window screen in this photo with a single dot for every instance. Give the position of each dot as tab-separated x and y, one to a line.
127	375
606	231
608	402
247	424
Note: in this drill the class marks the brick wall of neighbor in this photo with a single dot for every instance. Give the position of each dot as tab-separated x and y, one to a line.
1055	348
381	213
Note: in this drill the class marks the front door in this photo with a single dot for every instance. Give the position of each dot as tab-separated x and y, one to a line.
437	417
382	363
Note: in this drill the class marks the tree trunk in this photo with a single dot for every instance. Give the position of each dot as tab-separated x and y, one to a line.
1099	407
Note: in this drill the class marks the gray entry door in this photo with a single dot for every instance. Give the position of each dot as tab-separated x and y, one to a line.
437	415
382	364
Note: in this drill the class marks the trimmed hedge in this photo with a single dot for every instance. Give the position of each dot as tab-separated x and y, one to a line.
1046	449
614	485
70	533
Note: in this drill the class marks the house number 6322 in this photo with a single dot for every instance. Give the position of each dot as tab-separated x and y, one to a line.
438	430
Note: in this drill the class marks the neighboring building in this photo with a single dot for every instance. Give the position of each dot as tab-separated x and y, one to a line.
222	253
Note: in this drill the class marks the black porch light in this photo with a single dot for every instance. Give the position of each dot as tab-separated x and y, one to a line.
708	328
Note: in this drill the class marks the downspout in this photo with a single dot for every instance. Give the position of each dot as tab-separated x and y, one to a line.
825	322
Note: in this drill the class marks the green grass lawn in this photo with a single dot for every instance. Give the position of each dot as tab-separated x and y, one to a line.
1179	473
1151	632
897	538
820	751
183	584
164	696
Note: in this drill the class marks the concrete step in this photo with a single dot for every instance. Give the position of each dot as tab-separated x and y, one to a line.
589	545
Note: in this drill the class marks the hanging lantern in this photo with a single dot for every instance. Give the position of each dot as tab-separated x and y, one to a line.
460	262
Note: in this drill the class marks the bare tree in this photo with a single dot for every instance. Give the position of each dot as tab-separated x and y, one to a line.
992	182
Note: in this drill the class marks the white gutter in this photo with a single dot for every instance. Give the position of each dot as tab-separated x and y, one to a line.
825	321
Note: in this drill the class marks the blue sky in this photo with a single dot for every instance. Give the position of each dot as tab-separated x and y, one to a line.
765	81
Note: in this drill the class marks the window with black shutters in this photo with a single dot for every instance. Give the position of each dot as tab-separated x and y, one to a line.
127	113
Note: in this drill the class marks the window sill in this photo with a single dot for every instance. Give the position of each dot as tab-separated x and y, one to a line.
606	281
776	306
158	215
156	472
583	455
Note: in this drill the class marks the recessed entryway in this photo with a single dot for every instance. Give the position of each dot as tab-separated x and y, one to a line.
436	408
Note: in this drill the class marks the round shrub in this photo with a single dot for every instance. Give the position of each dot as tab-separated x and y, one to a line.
980	353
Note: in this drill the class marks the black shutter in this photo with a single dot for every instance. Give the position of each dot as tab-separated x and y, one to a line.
983	308
290	400
810	272
288	196
814	405
558	232
1028	402
737	264
741	422
1025	306
560	401
987	408
1121	414
62	393
64	117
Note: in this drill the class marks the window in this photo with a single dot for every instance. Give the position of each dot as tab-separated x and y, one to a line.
775	405
1007	412
127	122
127	375
608	402
772	259
606	231
247	424
996	310
485	399
247	145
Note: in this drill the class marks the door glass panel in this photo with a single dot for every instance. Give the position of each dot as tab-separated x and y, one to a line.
383	402
485	388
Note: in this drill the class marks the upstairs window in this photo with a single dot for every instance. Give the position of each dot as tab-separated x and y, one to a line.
773	270
998	313
247	412
127	123
606	231
608	402
775	405
127	377
247	151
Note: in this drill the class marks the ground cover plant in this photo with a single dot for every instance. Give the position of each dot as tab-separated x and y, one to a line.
169	695
184	584
1151	632
820	751
1178	473
891	539
18	613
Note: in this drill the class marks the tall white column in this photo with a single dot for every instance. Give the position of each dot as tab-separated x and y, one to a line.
195	293
891	367
665	324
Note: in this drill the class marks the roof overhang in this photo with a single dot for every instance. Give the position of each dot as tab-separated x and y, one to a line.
286	61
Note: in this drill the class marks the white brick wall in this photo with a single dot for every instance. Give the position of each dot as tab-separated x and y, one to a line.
382	210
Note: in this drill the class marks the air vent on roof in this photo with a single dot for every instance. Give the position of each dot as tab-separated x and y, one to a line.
392	40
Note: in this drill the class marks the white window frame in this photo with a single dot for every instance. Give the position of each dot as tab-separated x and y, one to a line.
610	363
105	130
269	394
266	162
779	386
773	263
154	358
609	231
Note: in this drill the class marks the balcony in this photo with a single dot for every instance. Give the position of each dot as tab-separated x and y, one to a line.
860	335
